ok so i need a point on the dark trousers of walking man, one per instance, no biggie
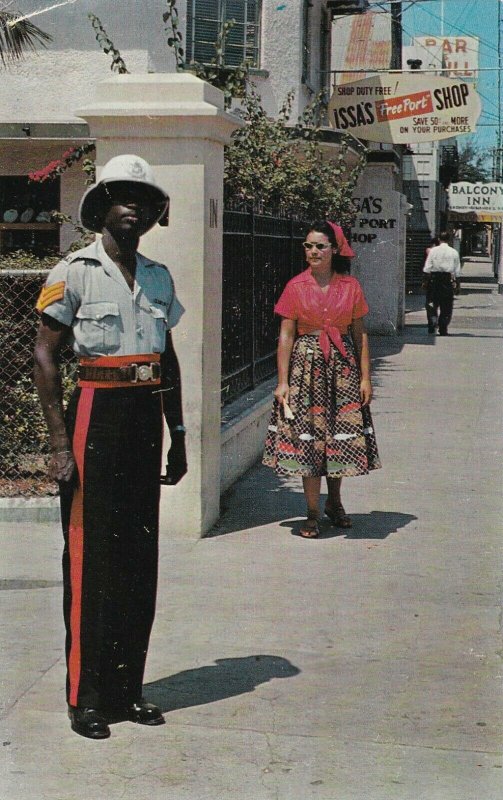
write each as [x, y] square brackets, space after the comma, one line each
[439, 301]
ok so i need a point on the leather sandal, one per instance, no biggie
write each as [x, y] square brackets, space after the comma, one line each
[338, 516]
[310, 528]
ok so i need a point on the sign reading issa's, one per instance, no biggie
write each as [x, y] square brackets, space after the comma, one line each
[404, 108]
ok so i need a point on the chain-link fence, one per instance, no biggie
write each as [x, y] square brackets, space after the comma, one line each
[23, 441]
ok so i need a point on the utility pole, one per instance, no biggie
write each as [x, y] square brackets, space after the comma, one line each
[499, 151]
[396, 34]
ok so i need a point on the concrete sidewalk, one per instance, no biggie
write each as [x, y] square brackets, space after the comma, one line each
[365, 665]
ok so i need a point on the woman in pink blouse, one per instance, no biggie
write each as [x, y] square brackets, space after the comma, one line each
[321, 423]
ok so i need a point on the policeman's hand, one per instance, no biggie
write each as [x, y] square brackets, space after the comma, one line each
[61, 466]
[176, 466]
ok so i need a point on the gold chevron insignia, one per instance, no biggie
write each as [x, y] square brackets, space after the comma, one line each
[49, 295]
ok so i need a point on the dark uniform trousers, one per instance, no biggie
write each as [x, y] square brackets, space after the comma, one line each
[439, 298]
[110, 526]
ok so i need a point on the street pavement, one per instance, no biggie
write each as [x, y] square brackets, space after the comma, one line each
[364, 665]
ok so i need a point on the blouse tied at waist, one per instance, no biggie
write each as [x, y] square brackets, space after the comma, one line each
[327, 334]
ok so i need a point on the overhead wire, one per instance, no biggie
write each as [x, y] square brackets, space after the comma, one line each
[485, 43]
[461, 31]
[496, 69]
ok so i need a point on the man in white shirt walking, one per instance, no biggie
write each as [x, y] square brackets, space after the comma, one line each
[442, 270]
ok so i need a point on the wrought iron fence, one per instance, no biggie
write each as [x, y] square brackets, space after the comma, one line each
[260, 254]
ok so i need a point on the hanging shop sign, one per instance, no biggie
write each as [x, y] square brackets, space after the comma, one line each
[485, 197]
[405, 108]
[457, 54]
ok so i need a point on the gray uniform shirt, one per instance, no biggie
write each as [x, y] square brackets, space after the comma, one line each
[88, 293]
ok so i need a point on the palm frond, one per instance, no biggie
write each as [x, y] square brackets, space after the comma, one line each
[18, 36]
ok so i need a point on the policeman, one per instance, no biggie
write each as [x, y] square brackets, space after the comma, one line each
[117, 308]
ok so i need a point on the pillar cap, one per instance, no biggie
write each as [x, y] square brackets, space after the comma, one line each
[123, 100]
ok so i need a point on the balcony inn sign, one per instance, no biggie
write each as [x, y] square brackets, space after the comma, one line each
[465, 197]
[405, 108]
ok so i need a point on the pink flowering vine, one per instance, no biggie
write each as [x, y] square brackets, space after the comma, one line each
[60, 165]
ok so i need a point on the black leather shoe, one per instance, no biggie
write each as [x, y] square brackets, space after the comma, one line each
[145, 714]
[88, 722]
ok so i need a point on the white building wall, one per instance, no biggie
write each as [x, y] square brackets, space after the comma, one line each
[50, 83]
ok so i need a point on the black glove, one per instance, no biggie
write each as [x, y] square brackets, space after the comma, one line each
[176, 466]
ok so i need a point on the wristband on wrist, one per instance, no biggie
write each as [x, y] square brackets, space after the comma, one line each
[178, 429]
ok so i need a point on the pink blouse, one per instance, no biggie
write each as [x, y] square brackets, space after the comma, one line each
[314, 310]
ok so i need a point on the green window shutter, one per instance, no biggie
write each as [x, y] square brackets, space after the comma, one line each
[204, 21]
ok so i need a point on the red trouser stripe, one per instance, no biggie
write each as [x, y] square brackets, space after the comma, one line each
[76, 540]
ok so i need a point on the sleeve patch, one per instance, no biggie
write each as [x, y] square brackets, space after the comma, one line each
[49, 295]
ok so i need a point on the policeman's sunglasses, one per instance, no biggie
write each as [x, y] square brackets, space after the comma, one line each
[124, 192]
[318, 245]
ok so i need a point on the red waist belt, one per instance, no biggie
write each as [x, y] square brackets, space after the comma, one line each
[115, 372]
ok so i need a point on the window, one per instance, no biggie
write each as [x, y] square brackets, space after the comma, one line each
[25, 221]
[204, 21]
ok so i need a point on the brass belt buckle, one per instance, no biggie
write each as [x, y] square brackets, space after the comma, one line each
[143, 372]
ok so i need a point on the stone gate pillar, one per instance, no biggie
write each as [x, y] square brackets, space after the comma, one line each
[178, 124]
[378, 239]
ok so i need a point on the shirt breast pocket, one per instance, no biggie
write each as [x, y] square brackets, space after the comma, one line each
[98, 328]
[159, 327]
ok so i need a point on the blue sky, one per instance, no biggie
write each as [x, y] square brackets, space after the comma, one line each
[471, 18]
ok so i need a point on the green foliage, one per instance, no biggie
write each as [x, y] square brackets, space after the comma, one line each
[25, 260]
[118, 64]
[85, 236]
[230, 80]
[89, 169]
[277, 166]
[473, 164]
[18, 35]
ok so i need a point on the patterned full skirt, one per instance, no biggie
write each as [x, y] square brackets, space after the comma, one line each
[331, 433]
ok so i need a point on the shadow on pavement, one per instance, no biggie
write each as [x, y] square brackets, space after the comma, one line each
[376, 525]
[227, 677]
[261, 497]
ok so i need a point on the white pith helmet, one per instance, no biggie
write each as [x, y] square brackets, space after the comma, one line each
[123, 169]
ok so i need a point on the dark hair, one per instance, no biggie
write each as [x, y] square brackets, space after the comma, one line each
[445, 236]
[340, 264]
[435, 241]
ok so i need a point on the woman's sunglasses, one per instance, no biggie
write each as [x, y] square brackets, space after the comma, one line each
[318, 245]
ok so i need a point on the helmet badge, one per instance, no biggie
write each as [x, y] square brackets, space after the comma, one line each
[137, 171]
